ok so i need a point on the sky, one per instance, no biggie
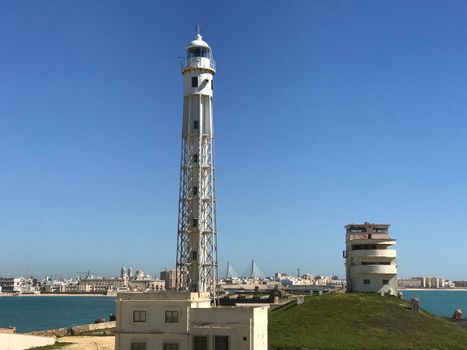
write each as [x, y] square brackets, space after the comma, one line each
[326, 113]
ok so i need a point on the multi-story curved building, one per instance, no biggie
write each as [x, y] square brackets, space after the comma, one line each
[371, 265]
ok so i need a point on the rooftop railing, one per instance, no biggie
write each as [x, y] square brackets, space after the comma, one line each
[198, 62]
[355, 236]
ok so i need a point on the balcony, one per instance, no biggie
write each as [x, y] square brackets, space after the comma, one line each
[370, 253]
[373, 269]
[372, 240]
[198, 62]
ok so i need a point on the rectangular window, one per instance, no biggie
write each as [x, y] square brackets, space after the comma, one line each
[139, 316]
[195, 190]
[212, 84]
[200, 342]
[171, 316]
[221, 342]
[194, 82]
[138, 346]
[170, 346]
[195, 222]
[385, 281]
[195, 158]
[366, 281]
[194, 255]
[195, 124]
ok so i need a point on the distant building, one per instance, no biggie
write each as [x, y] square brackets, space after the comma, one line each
[130, 273]
[87, 285]
[139, 275]
[460, 284]
[409, 283]
[431, 282]
[30, 289]
[279, 275]
[370, 265]
[169, 276]
[101, 285]
[51, 288]
[147, 285]
[70, 288]
[10, 284]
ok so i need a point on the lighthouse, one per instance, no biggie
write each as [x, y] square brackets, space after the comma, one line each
[189, 319]
[196, 268]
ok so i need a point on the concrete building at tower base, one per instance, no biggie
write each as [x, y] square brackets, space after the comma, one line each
[187, 321]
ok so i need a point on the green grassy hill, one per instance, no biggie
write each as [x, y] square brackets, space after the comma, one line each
[360, 321]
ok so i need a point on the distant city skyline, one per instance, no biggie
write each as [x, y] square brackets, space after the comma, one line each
[327, 113]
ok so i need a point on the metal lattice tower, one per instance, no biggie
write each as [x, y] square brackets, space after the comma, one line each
[197, 269]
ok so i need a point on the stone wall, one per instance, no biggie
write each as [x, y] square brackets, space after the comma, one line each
[9, 330]
[59, 332]
[76, 330]
[461, 323]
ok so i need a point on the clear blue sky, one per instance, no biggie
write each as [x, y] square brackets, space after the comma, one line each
[326, 112]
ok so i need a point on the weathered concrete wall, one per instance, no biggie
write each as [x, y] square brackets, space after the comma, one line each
[9, 330]
[23, 341]
[76, 330]
[59, 332]
[92, 327]
[461, 323]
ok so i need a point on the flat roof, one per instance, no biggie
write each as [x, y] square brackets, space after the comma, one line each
[164, 295]
[366, 224]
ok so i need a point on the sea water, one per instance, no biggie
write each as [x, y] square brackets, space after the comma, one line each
[439, 302]
[47, 312]
[31, 313]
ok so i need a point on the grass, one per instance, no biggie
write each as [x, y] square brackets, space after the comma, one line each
[360, 321]
[51, 347]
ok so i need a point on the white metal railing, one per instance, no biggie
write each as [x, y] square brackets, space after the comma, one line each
[202, 62]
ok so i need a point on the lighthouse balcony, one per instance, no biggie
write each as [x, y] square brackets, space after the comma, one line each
[198, 62]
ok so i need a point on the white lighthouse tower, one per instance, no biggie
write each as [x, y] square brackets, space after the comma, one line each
[187, 319]
[196, 238]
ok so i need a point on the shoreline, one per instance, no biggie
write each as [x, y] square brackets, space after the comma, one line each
[435, 289]
[57, 295]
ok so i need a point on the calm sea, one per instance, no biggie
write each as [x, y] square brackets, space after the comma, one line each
[48, 312]
[439, 302]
